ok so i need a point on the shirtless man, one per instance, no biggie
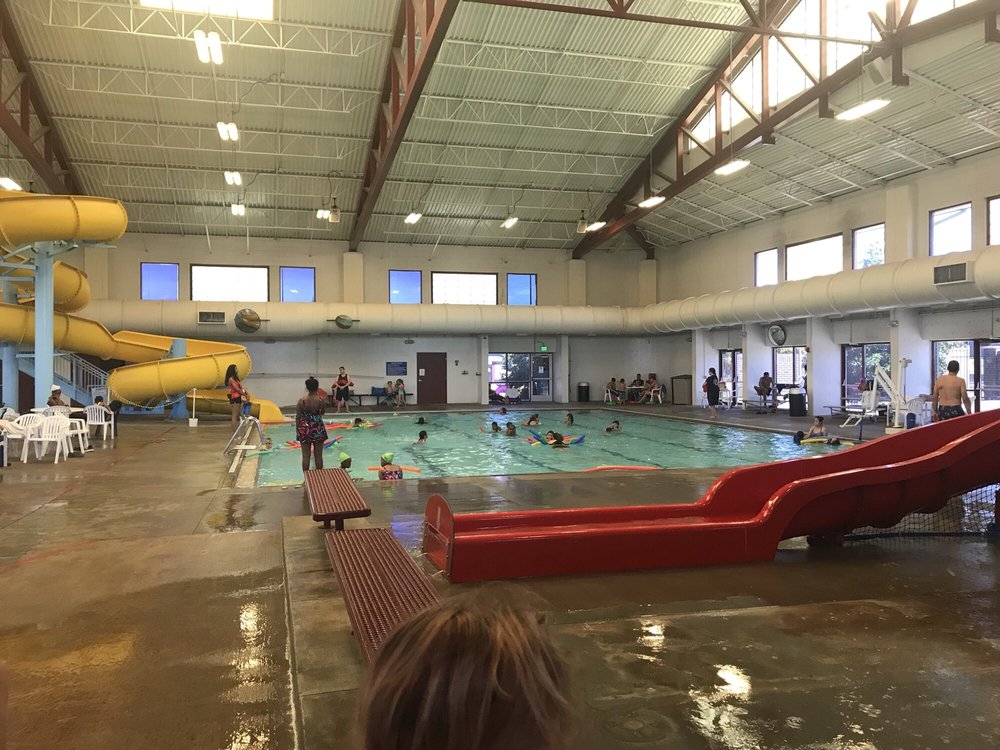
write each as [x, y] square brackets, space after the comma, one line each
[949, 395]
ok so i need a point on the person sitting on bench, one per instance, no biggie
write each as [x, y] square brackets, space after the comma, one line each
[475, 672]
[765, 389]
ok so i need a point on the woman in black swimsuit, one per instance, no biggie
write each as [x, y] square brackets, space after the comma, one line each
[342, 391]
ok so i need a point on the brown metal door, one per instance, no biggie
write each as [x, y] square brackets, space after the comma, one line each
[432, 378]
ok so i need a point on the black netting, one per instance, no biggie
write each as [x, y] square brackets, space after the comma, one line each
[967, 514]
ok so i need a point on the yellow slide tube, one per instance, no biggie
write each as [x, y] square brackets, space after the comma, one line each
[26, 218]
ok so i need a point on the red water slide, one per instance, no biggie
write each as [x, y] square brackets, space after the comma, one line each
[742, 517]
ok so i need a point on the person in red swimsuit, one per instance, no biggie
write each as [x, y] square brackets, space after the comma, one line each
[236, 394]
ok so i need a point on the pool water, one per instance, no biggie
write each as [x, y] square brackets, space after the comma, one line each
[456, 447]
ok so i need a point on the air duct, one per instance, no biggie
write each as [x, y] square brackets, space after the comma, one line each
[905, 284]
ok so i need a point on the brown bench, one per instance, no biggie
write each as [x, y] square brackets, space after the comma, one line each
[333, 497]
[381, 584]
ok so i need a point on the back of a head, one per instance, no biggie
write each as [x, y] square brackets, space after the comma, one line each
[476, 672]
[953, 367]
[312, 385]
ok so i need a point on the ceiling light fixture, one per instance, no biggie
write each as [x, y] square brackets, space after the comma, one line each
[227, 131]
[234, 178]
[596, 225]
[334, 213]
[323, 213]
[413, 218]
[581, 225]
[239, 209]
[731, 167]
[8, 184]
[208, 46]
[509, 222]
[860, 110]
[652, 201]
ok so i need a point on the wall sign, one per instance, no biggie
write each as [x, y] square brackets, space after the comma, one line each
[395, 368]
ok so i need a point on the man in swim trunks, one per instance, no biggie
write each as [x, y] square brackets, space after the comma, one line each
[950, 392]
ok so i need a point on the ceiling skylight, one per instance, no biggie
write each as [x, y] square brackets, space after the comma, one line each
[259, 10]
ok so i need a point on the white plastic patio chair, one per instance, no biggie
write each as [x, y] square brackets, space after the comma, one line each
[21, 427]
[52, 431]
[78, 428]
[98, 416]
[656, 393]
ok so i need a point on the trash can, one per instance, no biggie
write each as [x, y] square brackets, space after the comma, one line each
[583, 392]
[796, 402]
[911, 420]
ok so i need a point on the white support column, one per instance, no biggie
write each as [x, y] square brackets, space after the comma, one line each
[901, 223]
[647, 282]
[906, 340]
[8, 354]
[354, 277]
[560, 371]
[44, 321]
[576, 283]
[484, 370]
[757, 359]
[823, 365]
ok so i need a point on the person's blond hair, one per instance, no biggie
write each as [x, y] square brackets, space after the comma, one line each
[475, 672]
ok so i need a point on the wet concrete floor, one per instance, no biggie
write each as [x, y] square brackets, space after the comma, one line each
[144, 604]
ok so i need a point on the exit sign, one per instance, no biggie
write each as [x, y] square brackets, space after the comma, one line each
[543, 347]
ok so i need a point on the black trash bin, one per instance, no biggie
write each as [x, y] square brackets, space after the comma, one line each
[796, 402]
[583, 392]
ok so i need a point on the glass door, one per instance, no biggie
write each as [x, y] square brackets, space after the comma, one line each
[541, 377]
[731, 371]
[987, 376]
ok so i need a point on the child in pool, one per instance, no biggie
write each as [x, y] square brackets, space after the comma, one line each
[389, 470]
[569, 419]
[503, 411]
[422, 438]
[494, 427]
[511, 430]
[555, 439]
[615, 426]
[532, 421]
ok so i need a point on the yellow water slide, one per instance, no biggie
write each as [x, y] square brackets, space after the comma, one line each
[27, 218]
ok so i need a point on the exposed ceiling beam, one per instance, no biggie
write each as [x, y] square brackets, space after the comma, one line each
[407, 70]
[691, 23]
[43, 149]
[642, 242]
[963, 16]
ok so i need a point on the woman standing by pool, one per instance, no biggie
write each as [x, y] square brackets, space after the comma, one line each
[309, 428]
[711, 388]
[236, 394]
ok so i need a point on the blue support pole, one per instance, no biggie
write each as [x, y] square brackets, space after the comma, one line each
[44, 320]
[8, 354]
[178, 350]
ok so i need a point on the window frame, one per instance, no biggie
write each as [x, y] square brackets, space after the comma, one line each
[177, 267]
[496, 285]
[791, 245]
[534, 289]
[854, 244]
[777, 267]
[192, 266]
[419, 286]
[281, 280]
[990, 200]
[930, 228]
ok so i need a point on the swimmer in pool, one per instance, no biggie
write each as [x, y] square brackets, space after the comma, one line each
[555, 439]
[818, 429]
[615, 426]
[422, 438]
[569, 419]
[532, 421]
[421, 420]
[503, 410]
[494, 427]
[511, 430]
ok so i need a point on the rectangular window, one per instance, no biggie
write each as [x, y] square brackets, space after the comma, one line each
[159, 281]
[993, 220]
[464, 288]
[229, 283]
[405, 287]
[298, 284]
[858, 366]
[820, 257]
[868, 246]
[951, 229]
[789, 365]
[521, 289]
[765, 267]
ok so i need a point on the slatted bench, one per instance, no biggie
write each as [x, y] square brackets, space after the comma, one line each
[381, 583]
[333, 497]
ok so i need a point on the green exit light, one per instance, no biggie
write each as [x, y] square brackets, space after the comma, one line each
[543, 347]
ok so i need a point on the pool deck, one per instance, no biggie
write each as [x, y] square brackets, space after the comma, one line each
[149, 604]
